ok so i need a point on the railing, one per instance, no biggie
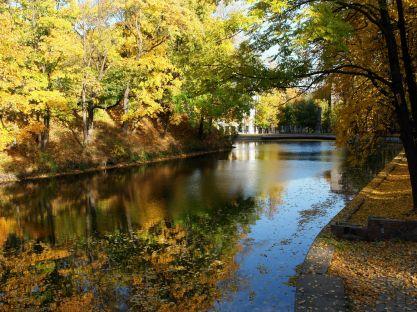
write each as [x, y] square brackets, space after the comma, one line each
[285, 136]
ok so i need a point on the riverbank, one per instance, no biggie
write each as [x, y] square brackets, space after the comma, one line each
[11, 178]
[380, 275]
[110, 148]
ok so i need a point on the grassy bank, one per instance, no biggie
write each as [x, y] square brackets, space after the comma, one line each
[382, 274]
[110, 147]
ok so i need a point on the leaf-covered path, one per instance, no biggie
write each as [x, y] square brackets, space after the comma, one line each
[378, 276]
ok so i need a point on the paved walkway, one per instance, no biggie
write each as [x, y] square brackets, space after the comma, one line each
[377, 276]
[317, 291]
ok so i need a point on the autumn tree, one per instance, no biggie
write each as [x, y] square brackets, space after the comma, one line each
[11, 61]
[40, 62]
[317, 39]
[267, 110]
[99, 38]
[129, 64]
[270, 106]
[150, 79]
[211, 91]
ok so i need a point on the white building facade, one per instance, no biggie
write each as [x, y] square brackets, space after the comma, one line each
[246, 126]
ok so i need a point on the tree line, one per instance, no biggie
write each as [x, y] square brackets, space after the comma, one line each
[63, 62]
[289, 112]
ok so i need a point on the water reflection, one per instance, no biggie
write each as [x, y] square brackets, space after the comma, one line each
[224, 231]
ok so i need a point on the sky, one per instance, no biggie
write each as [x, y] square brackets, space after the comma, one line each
[224, 10]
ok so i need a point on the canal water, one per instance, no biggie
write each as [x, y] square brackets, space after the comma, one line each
[223, 232]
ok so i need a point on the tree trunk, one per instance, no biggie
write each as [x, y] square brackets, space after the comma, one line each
[126, 108]
[44, 137]
[85, 114]
[408, 65]
[166, 122]
[90, 122]
[88, 116]
[201, 128]
[401, 108]
[410, 148]
[39, 135]
[210, 125]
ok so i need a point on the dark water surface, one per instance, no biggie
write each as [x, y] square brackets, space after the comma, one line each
[223, 232]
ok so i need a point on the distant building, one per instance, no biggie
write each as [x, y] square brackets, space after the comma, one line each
[245, 126]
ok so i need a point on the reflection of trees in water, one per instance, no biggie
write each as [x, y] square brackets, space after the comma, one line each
[92, 206]
[172, 246]
[271, 199]
[171, 265]
[121, 201]
[36, 218]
